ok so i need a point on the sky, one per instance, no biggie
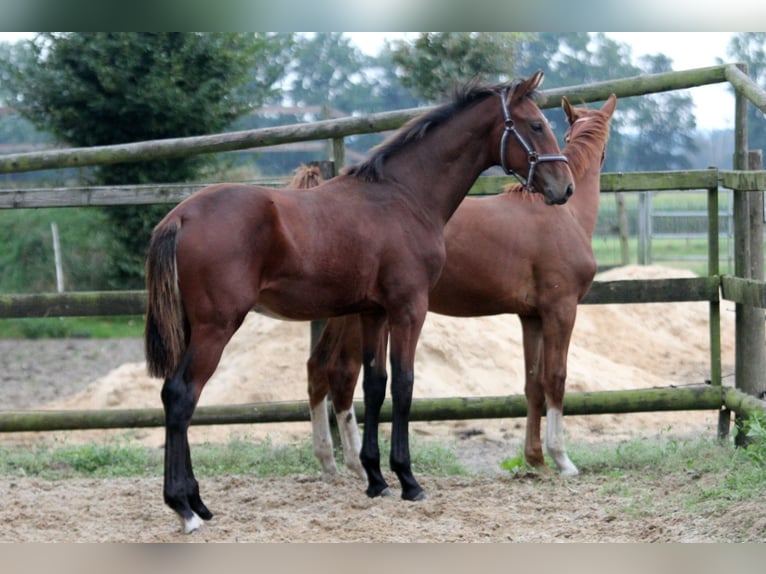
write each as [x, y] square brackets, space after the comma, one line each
[687, 50]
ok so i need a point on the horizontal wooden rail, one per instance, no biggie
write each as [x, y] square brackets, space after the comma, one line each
[698, 397]
[330, 129]
[743, 180]
[746, 291]
[659, 180]
[105, 195]
[653, 290]
[104, 303]
[742, 403]
[486, 185]
[744, 84]
[77, 304]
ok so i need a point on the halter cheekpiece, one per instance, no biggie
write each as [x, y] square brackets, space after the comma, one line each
[533, 158]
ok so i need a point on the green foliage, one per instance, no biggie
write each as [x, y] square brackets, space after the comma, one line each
[754, 429]
[102, 88]
[26, 249]
[436, 62]
[515, 465]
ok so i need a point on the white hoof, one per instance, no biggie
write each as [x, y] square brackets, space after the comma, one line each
[569, 470]
[192, 524]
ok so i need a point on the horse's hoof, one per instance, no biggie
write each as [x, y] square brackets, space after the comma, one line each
[414, 494]
[191, 524]
[385, 492]
[569, 472]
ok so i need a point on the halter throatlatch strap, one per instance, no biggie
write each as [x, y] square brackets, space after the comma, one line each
[533, 158]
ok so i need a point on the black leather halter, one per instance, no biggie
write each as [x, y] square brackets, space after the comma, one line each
[533, 158]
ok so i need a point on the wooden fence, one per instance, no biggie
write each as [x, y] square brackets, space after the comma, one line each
[746, 288]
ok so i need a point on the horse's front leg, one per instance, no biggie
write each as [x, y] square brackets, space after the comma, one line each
[374, 384]
[557, 331]
[533, 390]
[404, 340]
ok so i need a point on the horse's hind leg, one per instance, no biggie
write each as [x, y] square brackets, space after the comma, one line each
[342, 384]
[318, 387]
[179, 398]
[334, 367]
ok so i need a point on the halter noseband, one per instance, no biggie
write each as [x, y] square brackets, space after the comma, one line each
[533, 158]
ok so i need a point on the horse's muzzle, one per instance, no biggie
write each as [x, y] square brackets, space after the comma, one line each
[550, 200]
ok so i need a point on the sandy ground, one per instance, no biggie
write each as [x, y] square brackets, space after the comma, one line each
[613, 347]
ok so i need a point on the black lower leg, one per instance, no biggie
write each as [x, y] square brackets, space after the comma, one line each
[401, 392]
[374, 384]
[180, 490]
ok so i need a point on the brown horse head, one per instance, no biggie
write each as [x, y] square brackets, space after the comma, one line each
[527, 137]
[589, 129]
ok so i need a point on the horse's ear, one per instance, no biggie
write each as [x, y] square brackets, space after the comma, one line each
[528, 86]
[568, 110]
[609, 106]
[536, 80]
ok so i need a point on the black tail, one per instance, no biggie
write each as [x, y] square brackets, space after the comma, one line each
[164, 339]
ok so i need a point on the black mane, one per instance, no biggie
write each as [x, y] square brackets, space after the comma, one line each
[371, 170]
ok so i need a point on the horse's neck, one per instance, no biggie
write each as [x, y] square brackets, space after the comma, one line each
[584, 202]
[440, 169]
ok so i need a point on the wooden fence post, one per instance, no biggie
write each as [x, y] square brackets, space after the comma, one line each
[750, 362]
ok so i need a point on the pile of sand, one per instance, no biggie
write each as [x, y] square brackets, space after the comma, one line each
[613, 347]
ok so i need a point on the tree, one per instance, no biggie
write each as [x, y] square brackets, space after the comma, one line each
[653, 132]
[750, 48]
[665, 138]
[107, 88]
[436, 62]
[330, 76]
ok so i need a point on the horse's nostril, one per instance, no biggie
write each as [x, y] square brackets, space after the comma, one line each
[570, 190]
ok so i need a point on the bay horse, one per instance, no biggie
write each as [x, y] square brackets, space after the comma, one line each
[369, 241]
[505, 254]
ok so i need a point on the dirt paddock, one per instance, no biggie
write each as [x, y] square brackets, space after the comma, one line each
[613, 347]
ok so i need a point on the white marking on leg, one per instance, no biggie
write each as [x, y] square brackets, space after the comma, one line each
[352, 444]
[192, 524]
[322, 438]
[554, 442]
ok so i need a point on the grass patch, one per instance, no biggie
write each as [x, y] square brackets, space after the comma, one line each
[240, 455]
[117, 458]
[72, 327]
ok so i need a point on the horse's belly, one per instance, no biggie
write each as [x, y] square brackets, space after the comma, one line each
[303, 302]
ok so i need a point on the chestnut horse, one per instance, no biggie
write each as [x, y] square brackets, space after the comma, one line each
[369, 241]
[505, 254]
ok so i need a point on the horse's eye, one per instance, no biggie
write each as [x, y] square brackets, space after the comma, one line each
[537, 127]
